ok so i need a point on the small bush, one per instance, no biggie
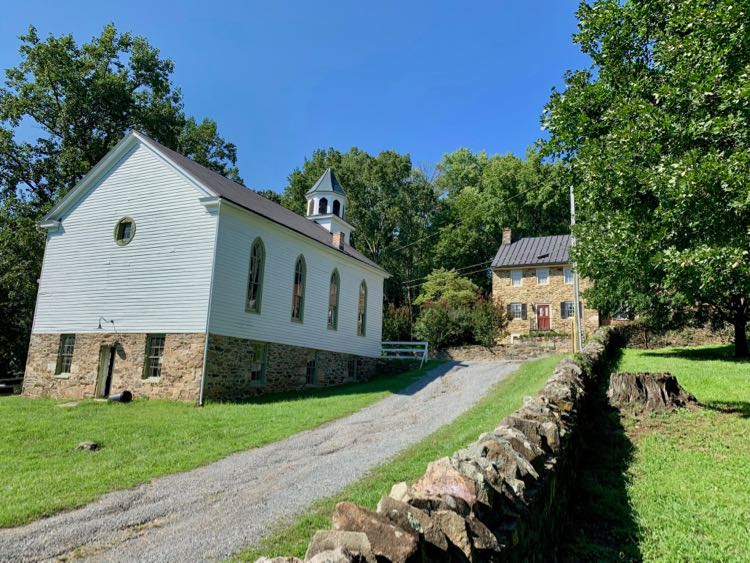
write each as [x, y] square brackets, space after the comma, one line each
[436, 326]
[397, 323]
[489, 319]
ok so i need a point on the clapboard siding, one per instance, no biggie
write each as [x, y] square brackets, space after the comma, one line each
[237, 230]
[157, 283]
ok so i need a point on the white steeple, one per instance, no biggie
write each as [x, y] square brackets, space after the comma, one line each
[326, 205]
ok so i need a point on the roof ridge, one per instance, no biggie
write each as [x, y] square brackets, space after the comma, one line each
[245, 197]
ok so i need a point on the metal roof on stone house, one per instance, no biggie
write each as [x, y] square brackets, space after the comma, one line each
[327, 183]
[533, 251]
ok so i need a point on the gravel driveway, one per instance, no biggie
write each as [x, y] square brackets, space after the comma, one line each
[214, 511]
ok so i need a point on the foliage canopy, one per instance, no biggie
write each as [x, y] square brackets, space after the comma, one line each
[656, 136]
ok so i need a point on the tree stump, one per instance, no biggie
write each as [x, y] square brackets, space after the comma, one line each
[653, 392]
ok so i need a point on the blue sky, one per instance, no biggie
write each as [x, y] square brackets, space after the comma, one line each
[282, 78]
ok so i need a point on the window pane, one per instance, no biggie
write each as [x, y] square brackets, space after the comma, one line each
[542, 276]
[362, 309]
[155, 355]
[298, 290]
[333, 301]
[515, 277]
[255, 278]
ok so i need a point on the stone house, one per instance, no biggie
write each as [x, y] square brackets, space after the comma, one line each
[167, 279]
[533, 277]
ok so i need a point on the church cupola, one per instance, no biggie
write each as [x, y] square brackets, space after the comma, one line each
[327, 203]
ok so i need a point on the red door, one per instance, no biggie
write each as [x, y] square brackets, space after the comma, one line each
[542, 315]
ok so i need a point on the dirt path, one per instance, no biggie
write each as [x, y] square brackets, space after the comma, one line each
[214, 511]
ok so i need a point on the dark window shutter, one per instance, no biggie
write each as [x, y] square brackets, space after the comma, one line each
[510, 312]
[524, 314]
[563, 312]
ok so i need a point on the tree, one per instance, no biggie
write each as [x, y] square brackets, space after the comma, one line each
[656, 138]
[446, 287]
[482, 195]
[82, 99]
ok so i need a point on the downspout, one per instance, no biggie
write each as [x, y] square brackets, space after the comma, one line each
[210, 299]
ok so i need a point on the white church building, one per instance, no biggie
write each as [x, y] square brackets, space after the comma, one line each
[167, 279]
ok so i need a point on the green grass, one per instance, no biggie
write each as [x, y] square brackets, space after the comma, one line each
[504, 398]
[670, 487]
[689, 482]
[43, 473]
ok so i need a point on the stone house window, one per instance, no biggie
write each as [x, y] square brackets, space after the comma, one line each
[258, 362]
[311, 372]
[568, 275]
[516, 278]
[333, 300]
[567, 309]
[65, 353]
[298, 290]
[362, 309]
[517, 311]
[255, 276]
[124, 231]
[542, 276]
[154, 355]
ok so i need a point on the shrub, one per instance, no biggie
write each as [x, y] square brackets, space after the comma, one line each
[489, 319]
[435, 326]
[397, 323]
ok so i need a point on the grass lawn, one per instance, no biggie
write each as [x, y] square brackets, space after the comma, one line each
[43, 473]
[501, 400]
[680, 490]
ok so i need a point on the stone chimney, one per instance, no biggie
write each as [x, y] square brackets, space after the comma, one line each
[507, 236]
[338, 240]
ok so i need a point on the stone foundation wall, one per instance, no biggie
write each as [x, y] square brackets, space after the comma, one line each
[637, 335]
[522, 348]
[229, 358]
[502, 498]
[180, 374]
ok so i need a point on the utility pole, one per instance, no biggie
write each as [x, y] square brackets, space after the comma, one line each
[576, 284]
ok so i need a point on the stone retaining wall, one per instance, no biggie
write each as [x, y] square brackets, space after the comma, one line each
[522, 348]
[502, 498]
[637, 335]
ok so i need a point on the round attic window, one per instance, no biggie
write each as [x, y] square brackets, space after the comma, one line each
[124, 231]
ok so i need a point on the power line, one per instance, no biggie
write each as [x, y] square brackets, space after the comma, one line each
[465, 274]
[455, 270]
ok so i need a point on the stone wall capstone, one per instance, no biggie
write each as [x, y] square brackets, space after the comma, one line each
[522, 348]
[502, 498]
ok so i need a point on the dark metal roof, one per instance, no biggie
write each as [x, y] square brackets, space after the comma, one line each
[327, 183]
[248, 199]
[533, 251]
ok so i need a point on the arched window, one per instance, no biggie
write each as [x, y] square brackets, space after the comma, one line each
[255, 276]
[337, 207]
[298, 291]
[333, 300]
[322, 206]
[362, 309]
[311, 207]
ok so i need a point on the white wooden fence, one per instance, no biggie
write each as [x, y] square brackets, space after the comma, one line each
[405, 351]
